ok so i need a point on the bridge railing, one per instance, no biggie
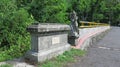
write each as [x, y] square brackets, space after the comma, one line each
[84, 24]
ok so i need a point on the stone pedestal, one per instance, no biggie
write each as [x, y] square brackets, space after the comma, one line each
[73, 40]
[47, 40]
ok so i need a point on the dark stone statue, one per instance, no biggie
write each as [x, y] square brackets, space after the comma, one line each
[74, 33]
[74, 24]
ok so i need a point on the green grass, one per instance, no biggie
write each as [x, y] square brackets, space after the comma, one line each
[61, 60]
[6, 65]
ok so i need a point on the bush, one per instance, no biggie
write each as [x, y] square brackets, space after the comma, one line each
[52, 11]
[14, 40]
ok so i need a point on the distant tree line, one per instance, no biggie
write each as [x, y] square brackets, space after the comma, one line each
[87, 10]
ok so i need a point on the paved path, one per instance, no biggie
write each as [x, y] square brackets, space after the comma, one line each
[104, 54]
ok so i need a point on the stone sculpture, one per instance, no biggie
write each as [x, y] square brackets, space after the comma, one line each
[74, 24]
[74, 32]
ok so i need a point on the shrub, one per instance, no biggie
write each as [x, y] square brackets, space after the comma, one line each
[14, 40]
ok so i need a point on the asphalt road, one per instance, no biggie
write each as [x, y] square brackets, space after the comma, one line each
[106, 53]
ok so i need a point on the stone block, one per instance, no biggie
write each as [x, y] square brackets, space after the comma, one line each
[47, 40]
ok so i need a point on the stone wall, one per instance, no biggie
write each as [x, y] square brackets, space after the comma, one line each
[89, 36]
[85, 31]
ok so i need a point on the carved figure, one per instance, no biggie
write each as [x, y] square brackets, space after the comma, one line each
[74, 24]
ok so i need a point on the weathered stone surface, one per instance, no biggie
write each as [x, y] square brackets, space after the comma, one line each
[47, 40]
[93, 39]
[47, 27]
[46, 54]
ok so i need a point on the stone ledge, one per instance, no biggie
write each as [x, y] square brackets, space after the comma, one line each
[48, 27]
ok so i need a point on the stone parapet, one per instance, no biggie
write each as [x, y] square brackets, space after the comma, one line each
[47, 40]
[47, 27]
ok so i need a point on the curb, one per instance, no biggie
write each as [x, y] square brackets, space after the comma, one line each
[82, 40]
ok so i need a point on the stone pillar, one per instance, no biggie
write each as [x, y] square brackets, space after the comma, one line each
[47, 40]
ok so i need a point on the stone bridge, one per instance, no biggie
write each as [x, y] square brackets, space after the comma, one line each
[106, 53]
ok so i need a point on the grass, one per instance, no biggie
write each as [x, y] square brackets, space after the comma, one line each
[6, 65]
[61, 60]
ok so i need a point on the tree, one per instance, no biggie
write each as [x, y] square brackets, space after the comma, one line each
[111, 11]
[52, 11]
[13, 24]
[83, 9]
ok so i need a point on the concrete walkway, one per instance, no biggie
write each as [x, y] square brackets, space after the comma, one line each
[104, 54]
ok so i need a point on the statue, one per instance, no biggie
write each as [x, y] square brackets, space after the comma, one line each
[74, 24]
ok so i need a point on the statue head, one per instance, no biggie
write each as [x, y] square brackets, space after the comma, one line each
[73, 16]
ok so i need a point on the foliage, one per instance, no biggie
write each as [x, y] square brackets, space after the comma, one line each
[51, 11]
[97, 10]
[16, 50]
[68, 56]
[14, 40]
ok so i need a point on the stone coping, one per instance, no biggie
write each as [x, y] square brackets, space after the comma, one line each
[47, 27]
